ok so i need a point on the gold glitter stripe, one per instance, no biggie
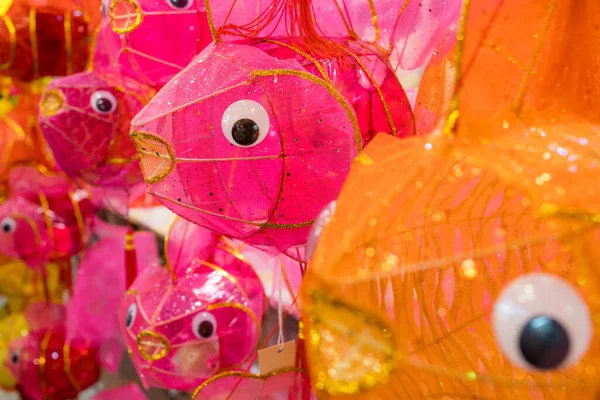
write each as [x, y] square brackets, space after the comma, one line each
[315, 62]
[36, 232]
[453, 109]
[34, 43]
[46, 207]
[13, 41]
[78, 217]
[168, 264]
[241, 374]
[121, 160]
[68, 43]
[211, 23]
[374, 20]
[330, 89]
[42, 362]
[67, 358]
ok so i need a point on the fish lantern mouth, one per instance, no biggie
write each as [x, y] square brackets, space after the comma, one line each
[351, 349]
[125, 16]
[157, 158]
[152, 346]
[52, 102]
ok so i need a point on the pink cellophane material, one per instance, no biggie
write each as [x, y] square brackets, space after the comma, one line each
[45, 218]
[282, 384]
[128, 392]
[204, 317]
[409, 32]
[69, 367]
[41, 38]
[88, 142]
[161, 44]
[91, 310]
[281, 276]
[265, 195]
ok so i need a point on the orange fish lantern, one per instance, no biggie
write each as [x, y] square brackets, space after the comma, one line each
[464, 264]
[41, 38]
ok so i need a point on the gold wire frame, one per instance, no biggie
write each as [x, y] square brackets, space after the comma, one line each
[129, 27]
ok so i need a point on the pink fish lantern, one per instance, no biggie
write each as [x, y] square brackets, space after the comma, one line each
[45, 218]
[152, 39]
[91, 309]
[127, 392]
[256, 153]
[47, 366]
[199, 316]
[85, 118]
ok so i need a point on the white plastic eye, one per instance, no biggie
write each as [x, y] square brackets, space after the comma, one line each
[541, 323]
[245, 123]
[180, 4]
[204, 325]
[317, 228]
[131, 314]
[8, 225]
[103, 102]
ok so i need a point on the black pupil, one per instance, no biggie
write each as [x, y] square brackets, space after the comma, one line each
[103, 104]
[245, 132]
[15, 358]
[6, 228]
[205, 329]
[129, 319]
[544, 342]
[179, 3]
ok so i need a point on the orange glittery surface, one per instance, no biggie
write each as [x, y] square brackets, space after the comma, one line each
[399, 297]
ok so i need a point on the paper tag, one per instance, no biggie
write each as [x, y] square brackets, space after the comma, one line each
[271, 359]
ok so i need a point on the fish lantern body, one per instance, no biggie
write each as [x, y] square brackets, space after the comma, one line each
[45, 218]
[182, 332]
[39, 39]
[85, 118]
[256, 155]
[47, 366]
[12, 328]
[489, 290]
[153, 39]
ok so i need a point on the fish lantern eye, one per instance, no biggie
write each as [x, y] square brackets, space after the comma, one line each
[8, 225]
[204, 325]
[103, 102]
[15, 357]
[130, 317]
[542, 323]
[180, 4]
[245, 123]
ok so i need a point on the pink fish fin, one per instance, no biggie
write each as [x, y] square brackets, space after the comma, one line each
[128, 392]
[280, 384]
[111, 353]
[186, 242]
[42, 315]
[28, 182]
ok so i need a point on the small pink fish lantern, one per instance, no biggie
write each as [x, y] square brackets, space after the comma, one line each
[47, 366]
[45, 218]
[197, 317]
[153, 39]
[85, 118]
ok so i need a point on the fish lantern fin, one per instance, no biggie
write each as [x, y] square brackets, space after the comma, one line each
[186, 242]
